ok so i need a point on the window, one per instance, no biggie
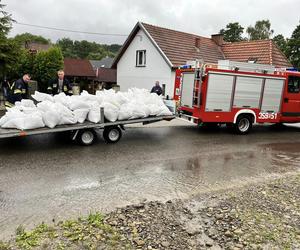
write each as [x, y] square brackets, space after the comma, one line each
[140, 58]
[294, 84]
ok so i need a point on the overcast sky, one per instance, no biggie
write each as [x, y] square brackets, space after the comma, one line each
[119, 16]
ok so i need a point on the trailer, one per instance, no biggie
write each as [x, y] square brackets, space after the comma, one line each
[237, 94]
[85, 133]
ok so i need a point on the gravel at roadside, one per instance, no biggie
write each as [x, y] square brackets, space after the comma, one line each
[261, 216]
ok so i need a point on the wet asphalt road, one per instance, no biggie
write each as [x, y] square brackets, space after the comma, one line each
[45, 177]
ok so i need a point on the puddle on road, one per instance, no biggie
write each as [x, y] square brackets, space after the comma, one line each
[79, 193]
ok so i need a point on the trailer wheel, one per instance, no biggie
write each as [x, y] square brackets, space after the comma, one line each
[86, 137]
[112, 134]
[243, 124]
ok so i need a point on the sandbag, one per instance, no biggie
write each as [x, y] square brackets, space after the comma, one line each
[25, 122]
[33, 121]
[111, 111]
[27, 103]
[63, 99]
[29, 110]
[154, 109]
[17, 123]
[94, 114]
[125, 112]
[45, 106]
[78, 104]
[51, 118]
[3, 120]
[67, 120]
[164, 111]
[39, 97]
[81, 114]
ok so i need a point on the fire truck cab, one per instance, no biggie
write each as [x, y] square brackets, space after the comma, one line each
[237, 94]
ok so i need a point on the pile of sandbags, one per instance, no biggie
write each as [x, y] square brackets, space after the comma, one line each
[60, 109]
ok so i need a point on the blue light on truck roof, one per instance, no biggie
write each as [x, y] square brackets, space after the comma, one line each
[292, 69]
[185, 66]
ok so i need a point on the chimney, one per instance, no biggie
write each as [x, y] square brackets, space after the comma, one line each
[197, 42]
[218, 39]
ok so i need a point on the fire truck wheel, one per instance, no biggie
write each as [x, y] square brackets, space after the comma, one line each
[243, 124]
[112, 134]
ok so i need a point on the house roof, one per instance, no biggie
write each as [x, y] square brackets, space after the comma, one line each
[103, 63]
[78, 67]
[34, 46]
[177, 47]
[265, 51]
[107, 75]
[180, 47]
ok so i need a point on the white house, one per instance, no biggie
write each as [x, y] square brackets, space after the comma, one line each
[143, 62]
[152, 53]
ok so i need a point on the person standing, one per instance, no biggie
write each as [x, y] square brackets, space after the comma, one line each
[17, 91]
[156, 88]
[5, 85]
[60, 85]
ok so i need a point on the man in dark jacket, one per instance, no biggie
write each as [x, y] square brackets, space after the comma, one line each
[59, 85]
[17, 91]
[156, 89]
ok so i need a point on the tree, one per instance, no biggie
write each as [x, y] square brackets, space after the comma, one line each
[9, 54]
[5, 21]
[293, 47]
[9, 50]
[46, 65]
[27, 37]
[261, 30]
[280, 42]
[86, 50]
[67, 47]
[233, 32]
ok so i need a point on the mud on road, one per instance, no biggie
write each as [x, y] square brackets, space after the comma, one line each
[44, 177]
[260, 216]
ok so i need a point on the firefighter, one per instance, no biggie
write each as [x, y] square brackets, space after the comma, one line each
[156, 89]
[17, 91]
[60, 85]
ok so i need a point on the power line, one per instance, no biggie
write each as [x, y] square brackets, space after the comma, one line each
[67, 30]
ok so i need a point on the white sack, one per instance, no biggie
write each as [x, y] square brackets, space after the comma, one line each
[125, 112]
[39, 97]
[51, 118]
[81, 114]
[33, 121]
[3, 120]
[94, 113]
[17, 123]
[164, 111]
[67, 120]
[78, 104]
[27, 103]
[62, 98]
[25, 122]
[45, 106]
[111, 111]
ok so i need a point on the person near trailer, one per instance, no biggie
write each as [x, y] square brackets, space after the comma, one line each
[5, 86]
[17, 91]
[156, 88]
[60, 85]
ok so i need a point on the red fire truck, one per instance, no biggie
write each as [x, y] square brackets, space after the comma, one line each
[237, 94]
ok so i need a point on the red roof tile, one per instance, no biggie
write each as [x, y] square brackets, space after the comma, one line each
[78, 67]
[265, 51]
[178, 47]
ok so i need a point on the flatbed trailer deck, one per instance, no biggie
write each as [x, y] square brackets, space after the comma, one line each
[85, 132]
